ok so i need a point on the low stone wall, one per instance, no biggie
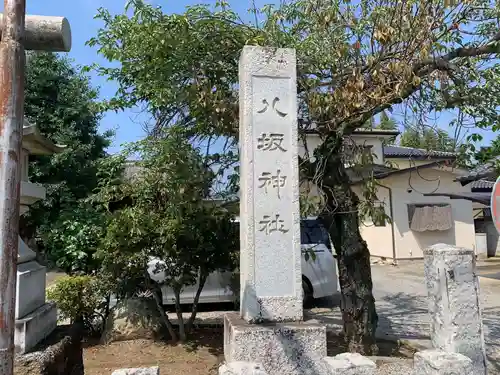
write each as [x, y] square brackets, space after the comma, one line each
[60, 354]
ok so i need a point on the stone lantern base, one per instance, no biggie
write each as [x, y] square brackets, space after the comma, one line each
[35, 319]
[35, 327]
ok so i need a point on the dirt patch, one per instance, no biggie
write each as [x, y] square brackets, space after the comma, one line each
[337, 345]
[200, 357]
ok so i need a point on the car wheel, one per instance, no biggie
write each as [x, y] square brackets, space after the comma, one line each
[308, 293]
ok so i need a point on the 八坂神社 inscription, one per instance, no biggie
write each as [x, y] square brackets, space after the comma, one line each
[269, 225]
[276, 181]
[270, 142]
[266, 106]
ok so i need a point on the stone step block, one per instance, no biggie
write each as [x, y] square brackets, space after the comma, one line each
[30, 291]
[138, 371]
[34, 327]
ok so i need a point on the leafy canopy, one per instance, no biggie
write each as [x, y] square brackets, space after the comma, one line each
[61, 102]
[168, 217]
[355, 59]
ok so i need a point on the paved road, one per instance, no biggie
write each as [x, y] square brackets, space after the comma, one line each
[489, 269]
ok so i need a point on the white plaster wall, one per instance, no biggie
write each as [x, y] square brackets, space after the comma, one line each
[376, 145]
[379, 239]
[313, 141]
[374, 141]
[410, 244]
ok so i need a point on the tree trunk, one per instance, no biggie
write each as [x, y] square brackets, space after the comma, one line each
[156, 291]
[340, 217]
[178, 310]
[194, 310]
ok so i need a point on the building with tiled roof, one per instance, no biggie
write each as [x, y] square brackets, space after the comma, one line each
[411, 191]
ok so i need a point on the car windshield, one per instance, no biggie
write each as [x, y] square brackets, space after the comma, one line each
[313, 233]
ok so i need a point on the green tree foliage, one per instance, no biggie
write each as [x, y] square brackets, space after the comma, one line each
[488, 153]
[74, 239]
[356, 59]
[61, 102]
[369, 124]
[386, 122]
[82, 299]
[428, 139]
[168, 218]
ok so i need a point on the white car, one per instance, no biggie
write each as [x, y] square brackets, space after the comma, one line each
[319, 272]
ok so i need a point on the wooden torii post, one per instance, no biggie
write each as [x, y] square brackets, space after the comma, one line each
[18, 32]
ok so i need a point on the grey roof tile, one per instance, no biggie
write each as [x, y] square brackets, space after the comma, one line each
[482, 184]
[486, 170]
[417, 153]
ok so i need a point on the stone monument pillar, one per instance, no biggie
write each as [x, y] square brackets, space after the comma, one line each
[453, 292]
[270, 330]
[35, 319]
[270, 273]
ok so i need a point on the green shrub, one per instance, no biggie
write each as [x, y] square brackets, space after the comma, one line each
[81, 299]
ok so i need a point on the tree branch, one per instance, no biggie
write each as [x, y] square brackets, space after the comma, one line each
[422, 69]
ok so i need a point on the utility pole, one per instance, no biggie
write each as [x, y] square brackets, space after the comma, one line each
[18, 32]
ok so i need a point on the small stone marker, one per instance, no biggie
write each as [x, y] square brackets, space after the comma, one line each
[138, 371]
[350, 364]
[270, 259]
[453, 292]
[430, 362]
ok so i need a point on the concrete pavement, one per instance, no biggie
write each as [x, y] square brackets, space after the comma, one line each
[401, 299]
[401, 302]
[489, 268]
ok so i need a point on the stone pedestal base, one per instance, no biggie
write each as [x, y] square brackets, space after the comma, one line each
[34, 327]
[281, 348]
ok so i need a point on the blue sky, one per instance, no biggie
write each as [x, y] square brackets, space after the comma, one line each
[80, 14]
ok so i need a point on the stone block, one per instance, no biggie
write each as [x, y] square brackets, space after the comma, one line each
[350, 364]
[133, 318]
[24, 253]
[30, 291]
[60, 354]
[431, 362]
[34, 327]
[453, 293]
[242, 368]
[138, 371]
[270, 253]
[294, 348]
